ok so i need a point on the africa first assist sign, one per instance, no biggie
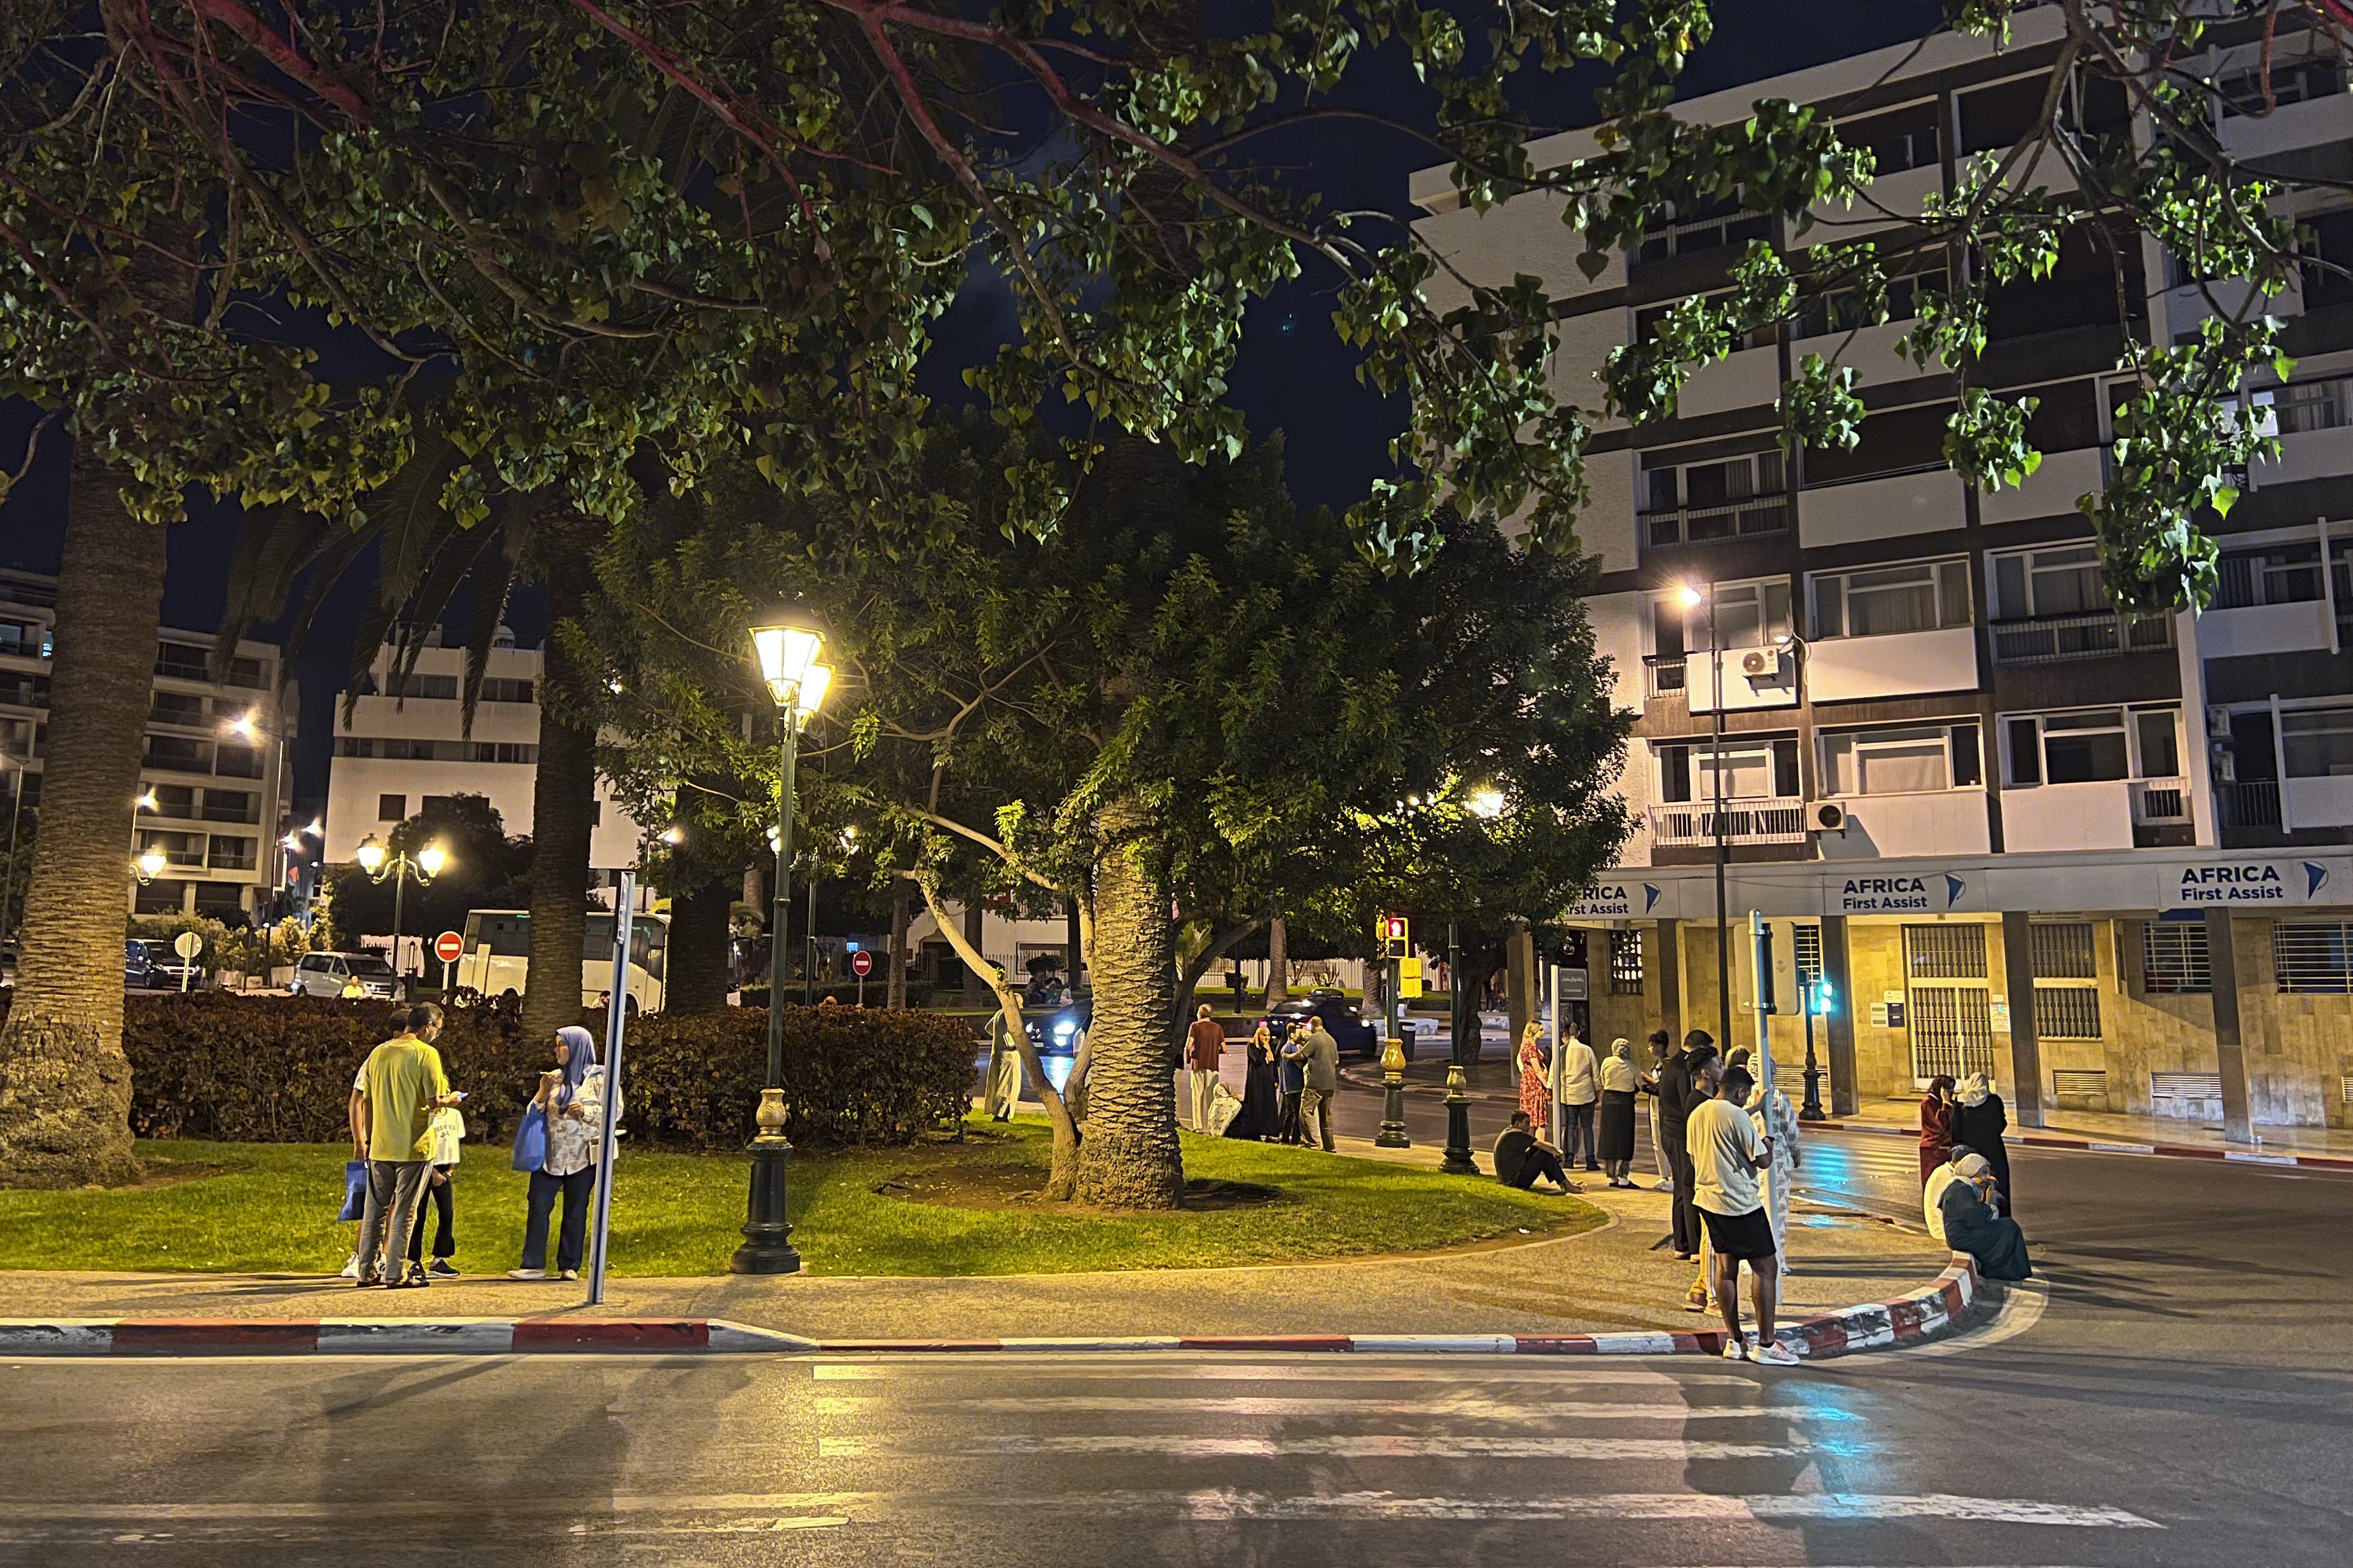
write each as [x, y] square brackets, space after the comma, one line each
[2254, 883]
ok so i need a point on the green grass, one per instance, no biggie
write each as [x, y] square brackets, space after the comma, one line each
[268, 1208]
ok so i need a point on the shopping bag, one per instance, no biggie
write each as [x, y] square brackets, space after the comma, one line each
[354, 1190]
[530, 1141]
[1223, 1108]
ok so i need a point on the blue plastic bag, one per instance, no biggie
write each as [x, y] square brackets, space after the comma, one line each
[354, 1190]
[530, 1141]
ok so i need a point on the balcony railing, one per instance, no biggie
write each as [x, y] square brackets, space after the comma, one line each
[2249, 803]
[1752, 518]
[2057, 640]
[1663, 675]
[1763, 820]
[2160, 802]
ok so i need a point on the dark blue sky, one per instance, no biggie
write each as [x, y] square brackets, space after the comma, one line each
[1293, 374]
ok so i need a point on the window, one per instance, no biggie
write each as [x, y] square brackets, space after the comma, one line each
[1900, 139]
[2067, 1012]
[2291, 82]
[2319, 742]
[500, 688]
[1626, 962]
[595, 813]
[1896, 441]
[2063, 580]
[182, 661]
[1946, 952]
[1805, 942]
[432, 804]
[175, 708]
[220, 898]
[1648, 319]
[2279, 574]
[1700, 226]
[1918, 596]
[1900, 761]
[2062, 950]
[1995, 117]
[1752, 770]
[185, 850]
[24, 639]
[237, 762]
[441, 687]
[230, 805]
[2173, 958]
[232, 853]
[246, 672]
[1747, 615]
[1842, 310]
[173, 800]
[179, 752]
[2317, 956]
[392, 808]
[500, 752]
[1691, 503]
[2328, 267]
[2092, 745]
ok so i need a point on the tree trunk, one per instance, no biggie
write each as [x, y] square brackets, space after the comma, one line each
[563, 811]
[64, 1084]
[1277, 962]
[1190, 977]
[699, 936]
[977, 986]
[895, 993]
[1128, 1156]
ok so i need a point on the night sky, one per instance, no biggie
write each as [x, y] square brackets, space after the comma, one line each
[1292, 374]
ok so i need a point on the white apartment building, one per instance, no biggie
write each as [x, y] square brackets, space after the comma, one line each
[405, 743]
[214, 785]
[2108, 859]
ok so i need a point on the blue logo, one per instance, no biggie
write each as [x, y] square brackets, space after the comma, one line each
[1650, 898]
[2315, 879]
[1954, 889]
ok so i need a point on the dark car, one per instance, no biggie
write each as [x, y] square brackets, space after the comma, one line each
[1356, 1035]
[149, 964]
[1056, 1032]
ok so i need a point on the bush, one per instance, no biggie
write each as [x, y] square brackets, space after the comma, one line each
[278, 1069]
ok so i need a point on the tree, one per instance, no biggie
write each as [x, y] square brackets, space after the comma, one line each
[486, 870]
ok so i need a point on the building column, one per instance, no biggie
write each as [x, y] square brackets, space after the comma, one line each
[1519, 981]
[1666, 940]
[2230, 1053]
[1839, 1022]
[2024, 1059]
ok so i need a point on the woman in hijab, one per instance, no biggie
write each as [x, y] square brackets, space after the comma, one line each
[1262, 1108]
[1936, 1126]
[1971, 1225]
[571, 1097]
[1616, 1133]
[1535, 1099]
[1979, 1121]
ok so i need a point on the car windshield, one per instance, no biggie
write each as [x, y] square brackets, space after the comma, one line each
[367, 964]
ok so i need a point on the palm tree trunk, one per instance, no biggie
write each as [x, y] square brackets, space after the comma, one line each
[64, 1084]
[894, 993]
[699, 935]
[1277, 962]
[563, 810]
[1128, 1156]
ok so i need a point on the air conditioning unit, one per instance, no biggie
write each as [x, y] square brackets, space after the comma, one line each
[1759, 662]
[2218, 723]
[1829, 818]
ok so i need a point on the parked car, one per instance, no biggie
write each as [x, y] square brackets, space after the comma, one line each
[1357, 1035]
[327, 974]
[149, 964]
[1056, 1033]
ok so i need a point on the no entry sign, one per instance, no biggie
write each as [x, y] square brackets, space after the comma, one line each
[449, 947]
[862, 964]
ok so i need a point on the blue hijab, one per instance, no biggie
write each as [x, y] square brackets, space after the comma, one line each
[578, 1057]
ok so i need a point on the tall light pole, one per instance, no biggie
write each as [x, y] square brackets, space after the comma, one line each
[786, 646]
[379, 863]
[1691, 598]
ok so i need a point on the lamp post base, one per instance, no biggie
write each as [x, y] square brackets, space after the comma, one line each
[1392, 1133]
[767, 1236]
[1458, 1161]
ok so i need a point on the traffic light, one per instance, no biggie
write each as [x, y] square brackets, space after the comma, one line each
[1396, 940]
[1825, 999]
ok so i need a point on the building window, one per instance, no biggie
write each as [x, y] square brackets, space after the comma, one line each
[1751, 770]
[247, 673]
[1626, 962]
[182, 661]
[159, 897]
[1693, 504]
[2291, 82]
[1918, 596]
[2091, 746]
[2318, 742]
[174, 708]
[1837, 312]
[1753, 614]
[2173, 958]
[1953, 951]
[392, 808]
[179, 753]
[173, 800]
[230, 805]
[1900, 761]
[2313, 956]
[220, 897]
[237, 761]
[442, 687]
[184, 850]
[2062, 950]
[595, 813]
[1806, 943]
[232, 853]
[2067, 1012]
[1650, 318]
[2279, 574]
[1697, 226]
[2063, 580]
[1900, 139]
[432, 804]
[503, 689]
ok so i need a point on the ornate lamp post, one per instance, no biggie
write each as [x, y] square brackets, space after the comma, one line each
[379, 862]
[786, 646]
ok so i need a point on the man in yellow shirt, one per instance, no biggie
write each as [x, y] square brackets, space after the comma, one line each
[401, 1086]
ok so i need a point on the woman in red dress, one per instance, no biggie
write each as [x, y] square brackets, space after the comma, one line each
[1535, 1099]
[1935, 1127]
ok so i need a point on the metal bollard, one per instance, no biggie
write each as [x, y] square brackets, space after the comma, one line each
[1392, 1134]
[1458, 1161]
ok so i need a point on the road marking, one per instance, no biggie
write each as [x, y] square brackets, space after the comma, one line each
[2023, 1307]
[15, 1512]
[1471, 1408]
[1552, 1373]
[1374, 1445]
[1761, 1508]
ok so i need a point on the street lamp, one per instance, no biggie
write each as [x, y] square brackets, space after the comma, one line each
[786, 646]
[379, 862]
[148, 867]
[1691, 598]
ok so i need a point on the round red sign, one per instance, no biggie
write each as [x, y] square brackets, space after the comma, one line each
[449, 947]
[862, 964]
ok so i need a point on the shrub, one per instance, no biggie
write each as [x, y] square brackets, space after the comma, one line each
[278, 1069]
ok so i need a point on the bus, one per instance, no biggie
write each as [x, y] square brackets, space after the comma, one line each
[498, 942]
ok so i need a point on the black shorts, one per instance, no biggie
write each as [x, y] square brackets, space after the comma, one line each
[1747, 1236]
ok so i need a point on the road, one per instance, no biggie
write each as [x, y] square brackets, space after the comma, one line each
[2182, 1396]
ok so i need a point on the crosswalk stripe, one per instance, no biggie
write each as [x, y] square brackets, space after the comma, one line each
[1477, 1408]
[1557, 1375]
[1371, 1445]
[1762, 1507]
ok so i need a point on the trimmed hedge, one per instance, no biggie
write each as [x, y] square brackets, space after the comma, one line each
[278, 1069]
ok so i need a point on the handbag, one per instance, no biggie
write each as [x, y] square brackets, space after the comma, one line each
[531, 1140]
[354, 1190]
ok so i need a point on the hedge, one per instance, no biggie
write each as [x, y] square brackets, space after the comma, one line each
[278, 1069]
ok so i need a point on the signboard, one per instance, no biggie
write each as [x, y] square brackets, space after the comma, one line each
[2259, 880]
[1899, 892]
[862, 964]
[188, 944]
[449, 947]
[1575, 984]
[1409, 986]
[1621, 899]
[1409, 969]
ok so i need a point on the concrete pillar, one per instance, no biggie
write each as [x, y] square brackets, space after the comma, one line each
[2230, 1053]
[1839, 1023]
[1520, 980]
[2023, 1064]
[1666, 941]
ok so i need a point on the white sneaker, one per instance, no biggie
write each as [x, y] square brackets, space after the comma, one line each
[569, 1274]
[526, 1273]
[1775, 1353]
[1735, 1350]
[351, 1266]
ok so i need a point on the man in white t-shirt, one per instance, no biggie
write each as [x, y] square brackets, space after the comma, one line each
[1577, 1090]
[1726, 1152]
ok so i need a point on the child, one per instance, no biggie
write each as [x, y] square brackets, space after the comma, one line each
[449, 1126]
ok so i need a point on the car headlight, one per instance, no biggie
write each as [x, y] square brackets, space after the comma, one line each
[1064, 1031]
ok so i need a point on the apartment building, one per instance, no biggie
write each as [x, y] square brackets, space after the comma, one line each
[214, 785]
[2106, 858]
[405, 743]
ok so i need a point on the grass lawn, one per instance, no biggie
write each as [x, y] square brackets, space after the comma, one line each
[269, 1207]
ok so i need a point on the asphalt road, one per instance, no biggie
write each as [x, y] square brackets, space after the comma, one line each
[2179, 1393]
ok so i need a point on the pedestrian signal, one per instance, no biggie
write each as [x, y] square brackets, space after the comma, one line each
[1395, 940]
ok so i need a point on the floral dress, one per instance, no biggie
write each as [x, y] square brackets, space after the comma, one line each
[1534, 1098]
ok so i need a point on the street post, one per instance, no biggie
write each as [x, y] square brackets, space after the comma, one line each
[617, 1008]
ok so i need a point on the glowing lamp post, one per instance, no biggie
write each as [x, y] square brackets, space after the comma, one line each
[380, 862]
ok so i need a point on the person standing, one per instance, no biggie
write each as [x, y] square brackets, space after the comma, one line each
[402, 1085]
[1936, 1126]
[1580, 1087]
[1616, 1132]
[1291, 1079]
[1676, 1096]
[1261, 1101]
[1002, 1095]
[1204, 1043]
[449, 1129]
[1726, 1153]
[1319, 1064]
[1777, 1126]
[1534, 1098]
[571, 1097]
[1661, 1046]
[1977, 1122]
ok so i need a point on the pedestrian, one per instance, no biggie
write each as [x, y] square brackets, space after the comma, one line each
[1319, 1064]
[1979, 1121]
[1700, 1061]
[1936, 1126]
[1661, 1046]
[1676, 1096]
[1727, 1155]
[1579, 1078]
[1932, 1195]
[1533, 1099]
[1204, 1043]
[1616, 1132]
[1522, 1155]
[571, 1097]
[449, 1129]
[1002, 1094]
[1261, 1101]
[1777, 1125]
[1290, 1076]
[402, 1085]
[1972, 1226]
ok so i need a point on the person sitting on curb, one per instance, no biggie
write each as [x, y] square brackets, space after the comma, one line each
[1522, 1155]
[1932, 1195]
[1974, 1226]
[1726, 1153]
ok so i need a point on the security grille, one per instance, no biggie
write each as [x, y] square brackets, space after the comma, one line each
[2062, 951]
[1955, 951]
[2079, 1083]
[1625, 963]
[2173, 958]
[1952, 1031]
[2313, 957]
[2346, 1087]
[1807, 942]
[2192, 1096]
[2066, 1013]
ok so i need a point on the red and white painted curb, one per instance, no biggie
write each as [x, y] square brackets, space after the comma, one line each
[1924, 1314]
[2106, 1146]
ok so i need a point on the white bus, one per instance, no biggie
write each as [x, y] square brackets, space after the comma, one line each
[498, 943]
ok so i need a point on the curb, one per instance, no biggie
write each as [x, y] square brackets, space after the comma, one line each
[2103, 1146]
[1927, 1313]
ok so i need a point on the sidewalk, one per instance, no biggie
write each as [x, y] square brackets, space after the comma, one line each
[2328, 1147]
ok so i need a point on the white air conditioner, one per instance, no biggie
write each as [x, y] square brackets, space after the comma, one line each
[1830, 818]
[1756, 663]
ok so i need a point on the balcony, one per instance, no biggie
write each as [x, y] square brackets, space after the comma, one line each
[1895, 201]
[1691, 824]
[2251, 631]
[1663, 675]
[1749, 378]
[2160, 802]
[1929, 822]
[2061, 639]
[2053, 817]
[1894, 506]
[1753, 518]
[2249, 803]
[2292, 127]
[1900, 663]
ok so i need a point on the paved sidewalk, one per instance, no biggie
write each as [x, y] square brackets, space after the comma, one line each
[2161, 1134]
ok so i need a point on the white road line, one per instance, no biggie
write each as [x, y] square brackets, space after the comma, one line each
[15, 1512]
[2023, 1307]
[1332, 1369]
[1760, 1508]
[1468, 1406]
[1373, 1445]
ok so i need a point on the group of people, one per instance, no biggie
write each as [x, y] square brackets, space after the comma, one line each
[1965, 1175]
[1595, 1100]
[1287, 1087]
[406, 1123]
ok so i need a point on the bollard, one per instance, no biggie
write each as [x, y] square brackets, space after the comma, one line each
[1458, 1161]
[1392, 1134]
